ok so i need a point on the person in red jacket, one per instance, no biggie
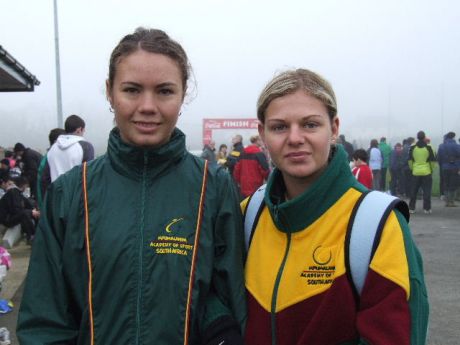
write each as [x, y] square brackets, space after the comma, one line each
[361, 170]
[252, 169]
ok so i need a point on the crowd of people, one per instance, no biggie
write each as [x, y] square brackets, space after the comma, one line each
[404, 170]
[150, 244]
[25, 174]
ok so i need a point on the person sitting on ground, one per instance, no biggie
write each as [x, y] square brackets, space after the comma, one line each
[10, 156]
[30, 160]
[361, 170]
[16, 209]
[5, 165]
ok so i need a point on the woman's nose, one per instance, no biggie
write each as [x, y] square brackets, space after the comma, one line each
[296, 136]
[148, 103]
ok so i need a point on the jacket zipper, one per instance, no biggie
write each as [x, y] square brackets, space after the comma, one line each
[277, 283]
[141, 247]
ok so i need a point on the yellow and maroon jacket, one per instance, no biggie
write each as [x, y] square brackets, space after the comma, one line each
[298, 278]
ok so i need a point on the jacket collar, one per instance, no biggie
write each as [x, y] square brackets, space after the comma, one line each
[134, 161]
[298, 213]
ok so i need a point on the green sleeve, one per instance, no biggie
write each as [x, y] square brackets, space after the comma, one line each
[44, 315]
[418, 300]
[227, 295]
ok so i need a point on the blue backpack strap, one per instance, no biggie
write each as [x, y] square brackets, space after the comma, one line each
[253, 208]
[365, 226]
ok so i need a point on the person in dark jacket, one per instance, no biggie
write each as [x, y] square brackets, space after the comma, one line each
[209, 153]
[235, 155]
[31, 161]
[252, 168]
[449, 164]
[144, 244]
[397, 164]
[16, 209]
[347, 146]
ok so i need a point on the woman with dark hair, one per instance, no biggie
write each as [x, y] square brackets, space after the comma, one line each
[142, 245]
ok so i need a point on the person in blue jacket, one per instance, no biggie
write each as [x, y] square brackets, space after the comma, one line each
[449, 164]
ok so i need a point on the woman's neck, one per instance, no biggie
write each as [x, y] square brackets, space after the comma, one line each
[298, 185]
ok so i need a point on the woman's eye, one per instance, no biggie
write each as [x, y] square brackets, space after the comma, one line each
[166, 91]
[130, 90]
[277, 128]
[311, 125]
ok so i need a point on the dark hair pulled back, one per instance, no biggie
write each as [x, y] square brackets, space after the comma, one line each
[152, 41]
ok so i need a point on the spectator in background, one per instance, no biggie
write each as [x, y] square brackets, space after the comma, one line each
[5, 165]
[236, 152]
[251, 170]
[407, 173]
[222, 155]
[209, 152]
[347, 146]
[5, 182]
[30, 160]
[16, 209]
[361, 170]
[385, 150]
[397, 164]
[41, 181]
[10, 156]
[449, 165]
[375, 163]
[421, 163]
[69, 150]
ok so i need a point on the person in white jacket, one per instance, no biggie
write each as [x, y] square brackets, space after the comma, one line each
[69, 150]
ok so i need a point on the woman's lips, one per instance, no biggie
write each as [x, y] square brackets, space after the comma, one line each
[146, 126]
[297, 156]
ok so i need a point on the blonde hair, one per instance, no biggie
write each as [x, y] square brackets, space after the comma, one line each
[289, 82]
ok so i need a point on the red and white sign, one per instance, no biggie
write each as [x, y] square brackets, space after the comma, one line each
[211, 124]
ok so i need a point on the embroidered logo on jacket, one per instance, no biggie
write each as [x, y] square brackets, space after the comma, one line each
[320, 272]
[174, 221]
[170, 243]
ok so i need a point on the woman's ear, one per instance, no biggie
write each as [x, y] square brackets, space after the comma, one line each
[108, 92]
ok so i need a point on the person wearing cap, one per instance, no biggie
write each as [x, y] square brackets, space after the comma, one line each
[30, 160]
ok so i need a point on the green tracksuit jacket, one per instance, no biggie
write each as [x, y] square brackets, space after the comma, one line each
[145, 230]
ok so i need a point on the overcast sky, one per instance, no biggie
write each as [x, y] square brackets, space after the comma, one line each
[395, 64]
